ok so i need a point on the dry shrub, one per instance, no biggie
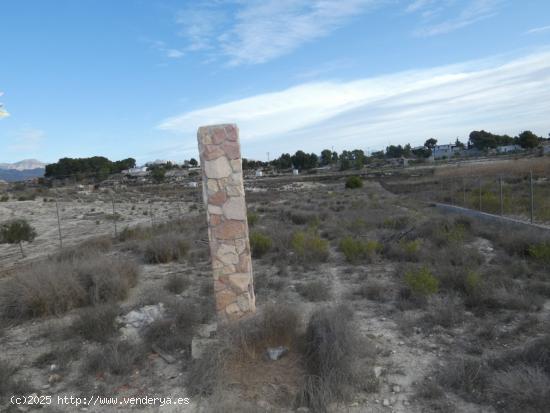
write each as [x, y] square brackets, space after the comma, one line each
[165, 248]
[96, 323]
[56, 287]
[176, 330]
[242, 345]
[446, 311]
[118, 358]
[332, 350]
[87, 248]
[372, 290]
[316, 290]
[521, 388]
[9, 385]
[466, 376]
[177, 283]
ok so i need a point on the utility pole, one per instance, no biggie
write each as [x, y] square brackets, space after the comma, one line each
[58, 224]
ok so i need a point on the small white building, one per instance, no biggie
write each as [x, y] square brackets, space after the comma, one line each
[141, 171]
[295, 172]
[259, 173]
[445, 151]
[508, 148]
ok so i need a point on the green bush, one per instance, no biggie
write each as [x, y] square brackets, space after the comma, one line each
[355, 250]
[15, 232]
[354, 182]
[252, 218]
[540, 252]
[259, 244]
[410, 248]
[309, 247]
[422, 282]
[473, 282]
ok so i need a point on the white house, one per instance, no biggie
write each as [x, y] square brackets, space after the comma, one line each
[445, 151]
[508, 148]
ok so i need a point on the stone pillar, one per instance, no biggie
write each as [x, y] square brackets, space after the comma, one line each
[223, 192]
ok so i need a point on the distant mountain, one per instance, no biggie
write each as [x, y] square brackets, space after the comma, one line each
[22, 170]
[24, 165]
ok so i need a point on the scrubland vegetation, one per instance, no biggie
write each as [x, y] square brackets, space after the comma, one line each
[380, 301]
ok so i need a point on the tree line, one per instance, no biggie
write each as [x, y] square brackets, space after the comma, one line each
[97, 167]
[356, 159]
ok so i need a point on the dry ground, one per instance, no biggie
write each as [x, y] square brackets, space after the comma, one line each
[442, 314]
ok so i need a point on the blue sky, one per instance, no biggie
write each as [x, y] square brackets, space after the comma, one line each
[138, 77]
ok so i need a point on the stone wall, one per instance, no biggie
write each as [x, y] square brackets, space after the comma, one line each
[223, 193]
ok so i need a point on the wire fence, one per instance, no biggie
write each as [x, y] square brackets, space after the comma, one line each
[525, 197]
[63, 219]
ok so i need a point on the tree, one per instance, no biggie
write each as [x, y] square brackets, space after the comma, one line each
[528, 139]
[193, 162]
[393, 151]
[15, 232]
[430, 143]
[302, 160]
[483, 140]
[326, 157]
[422, 152]
[459, 144]
[158, 173]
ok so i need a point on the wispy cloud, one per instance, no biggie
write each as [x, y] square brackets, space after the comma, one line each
[402, 107]
[259, 31]
[3, 112]
[434, 14]
[28, 141]
[166, 51]
[537, 30]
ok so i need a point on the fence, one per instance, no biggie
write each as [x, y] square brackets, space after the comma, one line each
[525, 197]
[65, 217]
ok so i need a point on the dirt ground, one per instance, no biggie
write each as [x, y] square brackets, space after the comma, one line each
[408, 353]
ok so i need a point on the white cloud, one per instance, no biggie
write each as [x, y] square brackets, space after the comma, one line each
[168, 52]
[258, 31]
[504, 96]
[27, 140]
[435, 12]
[3, 112]
[537, 30]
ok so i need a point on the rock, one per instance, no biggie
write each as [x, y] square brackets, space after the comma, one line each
[144, 316]
[54, 378]
[275, 353]
[135, 320]
[377, 371]
[396, 388]
[54, 367]
[302, 410]
[385, 402]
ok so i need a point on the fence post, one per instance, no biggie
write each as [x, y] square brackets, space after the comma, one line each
[464, 190]
[501, 197]
[59, 224]
[151, 216]
[114, 216]
[532, 196]
[480, 194]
